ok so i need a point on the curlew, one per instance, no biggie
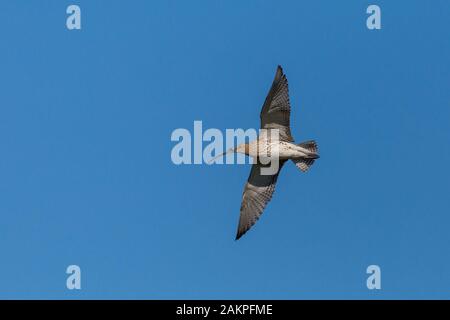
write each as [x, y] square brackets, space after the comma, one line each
[275, 119]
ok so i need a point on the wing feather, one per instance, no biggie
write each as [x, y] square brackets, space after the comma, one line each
[257, 193]
[275, 113]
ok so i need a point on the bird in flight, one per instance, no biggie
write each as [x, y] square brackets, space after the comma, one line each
[275, 118]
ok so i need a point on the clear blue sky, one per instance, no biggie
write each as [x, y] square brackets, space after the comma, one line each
[86, 176]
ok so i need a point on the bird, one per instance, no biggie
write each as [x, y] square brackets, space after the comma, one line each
[274, 121]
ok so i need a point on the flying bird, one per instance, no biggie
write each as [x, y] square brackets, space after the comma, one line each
[275, 116]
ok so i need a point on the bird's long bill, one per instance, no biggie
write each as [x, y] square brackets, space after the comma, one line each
[231, 150]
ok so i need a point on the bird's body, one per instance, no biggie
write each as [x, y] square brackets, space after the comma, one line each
[286, 150]
[275, 143]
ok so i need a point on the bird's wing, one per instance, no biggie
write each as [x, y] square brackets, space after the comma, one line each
[257, 193]
[275, 113]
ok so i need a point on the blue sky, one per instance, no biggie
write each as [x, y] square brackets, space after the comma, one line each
[86, 176]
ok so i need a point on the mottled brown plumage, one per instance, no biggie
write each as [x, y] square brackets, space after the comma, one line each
[275, 115]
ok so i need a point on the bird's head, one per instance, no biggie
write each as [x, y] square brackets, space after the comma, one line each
[242, 148]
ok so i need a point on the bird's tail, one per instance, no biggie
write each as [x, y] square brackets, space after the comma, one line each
[305, 163]
[310, 145]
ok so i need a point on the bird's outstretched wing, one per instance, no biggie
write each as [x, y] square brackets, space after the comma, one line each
[257, 193]
[275, 113]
